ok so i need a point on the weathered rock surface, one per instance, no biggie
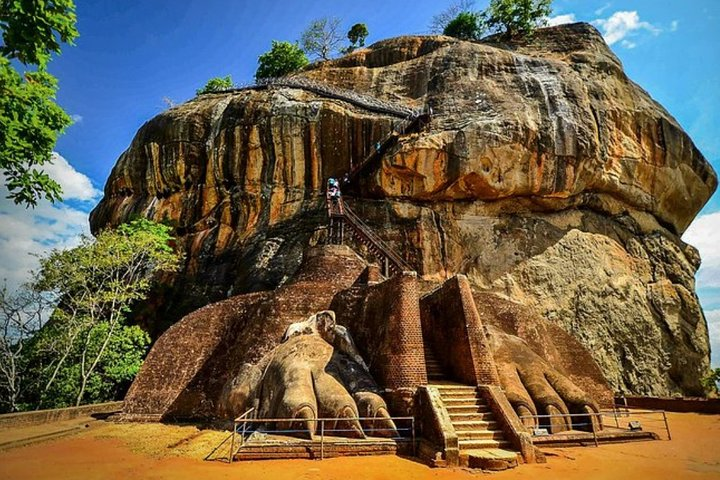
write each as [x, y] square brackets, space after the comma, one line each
[546, 176]
[230, 357]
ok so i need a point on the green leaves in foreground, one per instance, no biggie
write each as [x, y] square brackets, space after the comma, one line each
[30, 120]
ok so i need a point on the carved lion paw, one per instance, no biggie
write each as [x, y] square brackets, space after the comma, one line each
[317, 373]
[534, 387]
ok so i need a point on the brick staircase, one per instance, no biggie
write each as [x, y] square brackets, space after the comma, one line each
[434, 370]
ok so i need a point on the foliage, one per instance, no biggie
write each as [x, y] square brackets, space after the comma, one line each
[86, 350]
[216, 84]
[31, 29]
[322, 37]
[282, 59]
[516, 18]
[117, 366]
[21, 315]
[357, 35]
[440, 21]
[30, 120]
[711, 381]
[466, 25]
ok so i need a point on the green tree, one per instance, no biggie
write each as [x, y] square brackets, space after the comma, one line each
[21, 316]
[322, 37]
[357, 35]
[282, 59]
[96, 284]
[711, 381]
[466, 25]
[440, 21]
[516, 18]
[30, 120]
[216, 84]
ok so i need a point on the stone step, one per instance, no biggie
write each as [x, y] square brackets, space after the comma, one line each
[476, 444]
[462, 400]
[494, 459]
[463, 425]
[455, 390]
[467, 408]
[457, 393]
[471, 417]
[480, 435]
[456, 386]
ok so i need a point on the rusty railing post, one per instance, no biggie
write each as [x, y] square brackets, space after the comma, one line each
[667, 428]
[413, 437]
[232, 443]
[322, 439]
[592, 427]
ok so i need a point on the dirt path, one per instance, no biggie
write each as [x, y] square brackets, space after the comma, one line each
[136, 452]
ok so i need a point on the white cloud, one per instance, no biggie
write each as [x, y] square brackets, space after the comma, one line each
[27, 232]
[704, 234]
[628, 44]
[75, 185]
[76, 118]
[713, 320]
[623, 24]
[561, 19]
[674, 25]
[600, 10]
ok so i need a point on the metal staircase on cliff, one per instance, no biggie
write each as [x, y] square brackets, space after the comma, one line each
[344, 222]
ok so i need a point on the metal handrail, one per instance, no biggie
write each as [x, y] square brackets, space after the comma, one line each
[399, 130]
[379, 243]
[601, 414]
[366, 101]
[242, 418]
[323, 431]
[247, 412]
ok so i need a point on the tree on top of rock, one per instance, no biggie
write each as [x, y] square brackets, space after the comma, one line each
[322, 37]
[439, 22]
[216, 84]
[282, 59]
[467, 26]
[357, 35]
[516, 18]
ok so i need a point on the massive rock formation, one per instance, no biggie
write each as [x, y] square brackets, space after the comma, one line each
[546, 176]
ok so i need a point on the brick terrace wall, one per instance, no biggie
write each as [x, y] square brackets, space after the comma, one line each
[452, 327]
[384, 320]
[187, 368]
[697, 405]
[37, 417]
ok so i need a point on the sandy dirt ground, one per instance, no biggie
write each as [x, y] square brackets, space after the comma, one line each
[150, 451]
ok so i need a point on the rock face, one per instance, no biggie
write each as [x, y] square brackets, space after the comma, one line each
[546, 176]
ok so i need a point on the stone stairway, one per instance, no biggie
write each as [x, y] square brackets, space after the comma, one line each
[481, 442]
[434, 370]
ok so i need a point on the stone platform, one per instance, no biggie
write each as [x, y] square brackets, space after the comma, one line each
[272, 447]
[574, 437]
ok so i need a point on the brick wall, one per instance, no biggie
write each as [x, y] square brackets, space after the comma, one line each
[187, 368]
[453, 329]
[384, 320]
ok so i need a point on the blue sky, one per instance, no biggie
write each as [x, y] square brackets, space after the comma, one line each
[132, 54]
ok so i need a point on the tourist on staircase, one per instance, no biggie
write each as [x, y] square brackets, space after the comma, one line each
[333, 195]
